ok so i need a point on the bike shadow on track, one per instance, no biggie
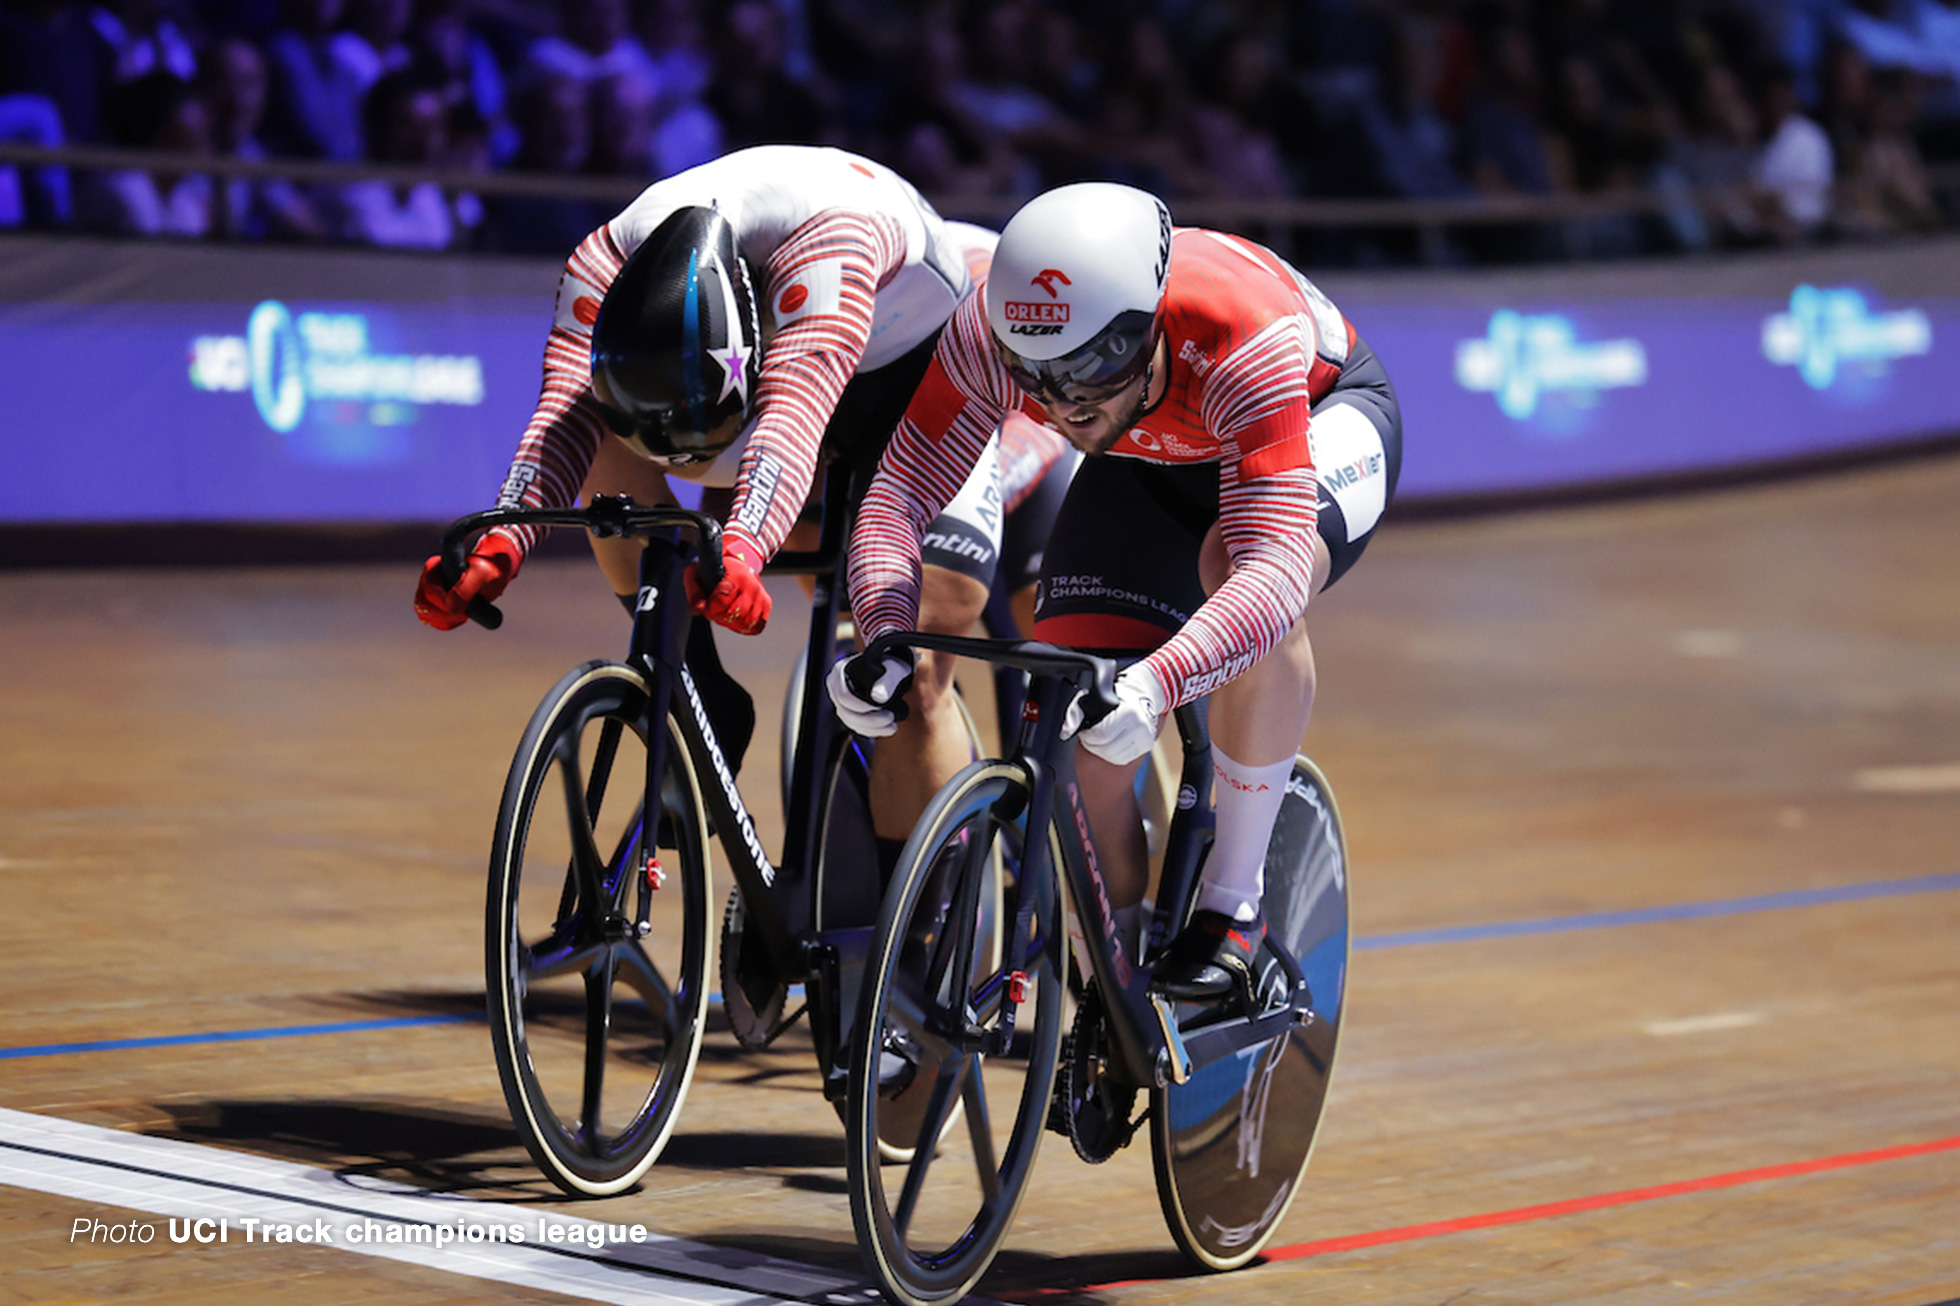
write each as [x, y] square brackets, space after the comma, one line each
[1032, 1277]
[386, 1141]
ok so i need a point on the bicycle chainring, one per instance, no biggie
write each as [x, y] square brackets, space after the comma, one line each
[751, 998]
[1094, 1108]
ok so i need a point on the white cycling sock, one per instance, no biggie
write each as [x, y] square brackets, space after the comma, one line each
[1247, 799]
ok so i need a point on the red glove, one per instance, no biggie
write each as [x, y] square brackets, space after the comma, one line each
[491, 567]
[739, 602]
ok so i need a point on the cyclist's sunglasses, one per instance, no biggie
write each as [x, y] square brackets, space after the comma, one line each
[1093, 374]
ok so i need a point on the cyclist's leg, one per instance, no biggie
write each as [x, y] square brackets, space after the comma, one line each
[1121, 573]
[1258, 719]
[961, 552]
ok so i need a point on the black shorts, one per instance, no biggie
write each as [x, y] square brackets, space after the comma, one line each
[1122, 564]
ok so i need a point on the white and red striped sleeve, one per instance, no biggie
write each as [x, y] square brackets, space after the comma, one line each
[1257, 403]
[821, 284]
[565, 429]
[946, 428]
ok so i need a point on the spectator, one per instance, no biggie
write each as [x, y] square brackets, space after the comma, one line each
[995, 95]
[1598, 156]
[594, 43]
[1793, 172]
[755, 99]
[406, 121]
[139, 39]
[1844, 112]
[686, 132]
[466, 149]
[1884, 188]
[552, 122]
[233, 84]
[461, 64]
[1142, 134]
[373, 43]
[1506, 142]
[621, 129]
[32, 196]
[1717, 159]
[1230, 121]
[1505, 137]
[154, 112]
[1410, 145]
[1060, 66]
[673, 36]
[316, 97]
[47, 48]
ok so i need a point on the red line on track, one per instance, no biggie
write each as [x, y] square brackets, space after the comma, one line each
[1573, 1206]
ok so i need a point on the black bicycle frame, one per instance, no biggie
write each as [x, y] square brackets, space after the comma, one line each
[1147, 1044]
[780, 905]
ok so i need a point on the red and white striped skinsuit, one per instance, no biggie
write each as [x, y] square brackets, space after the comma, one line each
[1250, 346]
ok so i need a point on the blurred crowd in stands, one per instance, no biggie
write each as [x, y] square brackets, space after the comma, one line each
[1742, 122]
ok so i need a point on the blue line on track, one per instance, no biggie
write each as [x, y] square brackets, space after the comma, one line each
[1686, 911]
[231, 1036]
[1682, 911]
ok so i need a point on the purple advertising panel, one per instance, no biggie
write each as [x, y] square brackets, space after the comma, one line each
[158, 383]
[150, 383]
[1523, 383]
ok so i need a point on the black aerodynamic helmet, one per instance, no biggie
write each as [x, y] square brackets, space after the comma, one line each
[676, 342]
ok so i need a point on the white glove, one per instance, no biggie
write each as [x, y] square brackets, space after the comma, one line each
[870, 717]
[1127, 733]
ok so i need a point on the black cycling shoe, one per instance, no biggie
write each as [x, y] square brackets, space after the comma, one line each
[1210, 958]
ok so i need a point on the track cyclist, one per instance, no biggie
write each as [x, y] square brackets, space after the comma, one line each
[733, 324]
[1243, 443]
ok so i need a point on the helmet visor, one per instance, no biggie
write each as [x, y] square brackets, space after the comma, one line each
[661, 435]
[1094, 373]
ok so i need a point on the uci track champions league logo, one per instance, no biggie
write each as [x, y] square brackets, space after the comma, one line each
[323, 363]
[1833, 338]
[1535, 363]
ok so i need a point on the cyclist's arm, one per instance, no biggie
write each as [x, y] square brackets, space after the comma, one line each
[1257, 401]
[946, 428]
[565, 429]
[821, 284]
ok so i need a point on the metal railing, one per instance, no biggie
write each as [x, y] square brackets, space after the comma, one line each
[1429, 219]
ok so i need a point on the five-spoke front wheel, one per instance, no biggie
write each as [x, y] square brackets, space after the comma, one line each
[974, 1015]
[598, 933]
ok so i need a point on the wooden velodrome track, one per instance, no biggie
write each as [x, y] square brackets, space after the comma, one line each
[1655, 821]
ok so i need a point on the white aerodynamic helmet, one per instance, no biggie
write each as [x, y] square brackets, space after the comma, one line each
[1077, 290]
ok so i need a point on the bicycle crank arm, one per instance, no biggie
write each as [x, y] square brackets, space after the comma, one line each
[1174, 1061]
[1217, 1041]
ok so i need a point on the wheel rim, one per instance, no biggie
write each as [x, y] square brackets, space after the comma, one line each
[597, 1026]
[932, 1222]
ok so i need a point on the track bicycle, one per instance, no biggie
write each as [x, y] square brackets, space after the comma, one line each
[599, 930]
[1234, 1087]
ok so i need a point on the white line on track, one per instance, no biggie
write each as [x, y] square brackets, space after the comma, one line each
[190, 1181]
[1703, 1024]
[1908, 779]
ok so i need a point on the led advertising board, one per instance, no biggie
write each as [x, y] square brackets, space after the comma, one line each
[156, 383]
[1531, 384]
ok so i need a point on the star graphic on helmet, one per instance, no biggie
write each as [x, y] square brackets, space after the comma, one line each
[734, 362]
